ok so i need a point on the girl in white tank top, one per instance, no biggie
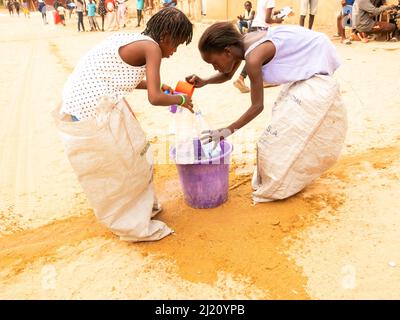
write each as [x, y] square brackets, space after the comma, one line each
[308, 124]
[280, 55]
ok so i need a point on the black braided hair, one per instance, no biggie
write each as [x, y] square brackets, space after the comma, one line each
[172, 23]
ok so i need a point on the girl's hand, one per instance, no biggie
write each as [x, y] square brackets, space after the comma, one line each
[165, 87]
[214, 136]
[188, 102]
[196, 81]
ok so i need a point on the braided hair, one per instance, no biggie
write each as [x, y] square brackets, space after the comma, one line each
[172, 23]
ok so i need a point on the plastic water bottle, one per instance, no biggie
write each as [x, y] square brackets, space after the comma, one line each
[184, 137]
[207, 147]
[172, 119]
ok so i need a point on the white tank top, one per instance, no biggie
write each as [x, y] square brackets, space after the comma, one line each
[300, 54]
[247, 14]
[101, 72]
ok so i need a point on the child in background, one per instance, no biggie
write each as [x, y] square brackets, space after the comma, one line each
[91, 8]
[70, 7]
[121, 13]
[10, 7]
[262, 20]
[139, 10]
[149, 4]
[308, 6]
[79, 11]
[111, 15]
[61, 12]
[104, 141]
[17, 6]
[42, 10]
[25, 9]
[101, 10]
[340, 22]
[246, 19]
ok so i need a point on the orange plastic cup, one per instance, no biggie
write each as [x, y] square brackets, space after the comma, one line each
[185, 87]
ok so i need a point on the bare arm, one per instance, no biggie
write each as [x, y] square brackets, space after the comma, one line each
[222, 77]
[149, 54]
[216, 78]
[254, 62]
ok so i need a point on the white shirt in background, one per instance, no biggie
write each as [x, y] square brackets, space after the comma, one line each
[261, 13]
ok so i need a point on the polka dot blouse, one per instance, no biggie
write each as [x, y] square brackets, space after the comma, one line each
[101, 72]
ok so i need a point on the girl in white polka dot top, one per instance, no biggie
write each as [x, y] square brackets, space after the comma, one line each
[105, 143]
[119, 64]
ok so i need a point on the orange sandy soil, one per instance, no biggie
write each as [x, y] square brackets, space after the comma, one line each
[337, 239]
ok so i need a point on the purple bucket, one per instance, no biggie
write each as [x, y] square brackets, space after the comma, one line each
[205, 184]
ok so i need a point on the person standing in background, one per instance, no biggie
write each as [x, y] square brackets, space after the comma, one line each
[56, 4]
[305, 6]
[42, 9]
[79, 11]
[25, 9]
[17, 6]
[121, 13]
[10, 7]
[340, 22]
[101, 10]
[112, 24]
[61, 12]
[70, 7]
[91, 9]
[149, 4]
[139, 10]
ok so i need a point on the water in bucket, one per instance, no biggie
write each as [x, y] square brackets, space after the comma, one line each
[208, 148]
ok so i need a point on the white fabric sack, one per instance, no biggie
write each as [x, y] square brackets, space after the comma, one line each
[113, 162]
[304, 139]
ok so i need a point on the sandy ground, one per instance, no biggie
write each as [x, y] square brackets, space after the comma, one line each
[339, 238]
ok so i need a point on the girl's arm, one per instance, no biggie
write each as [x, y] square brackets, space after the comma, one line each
[164, 87]
[254, 62]
[149, 54]
[217, 78]
[257, 96]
